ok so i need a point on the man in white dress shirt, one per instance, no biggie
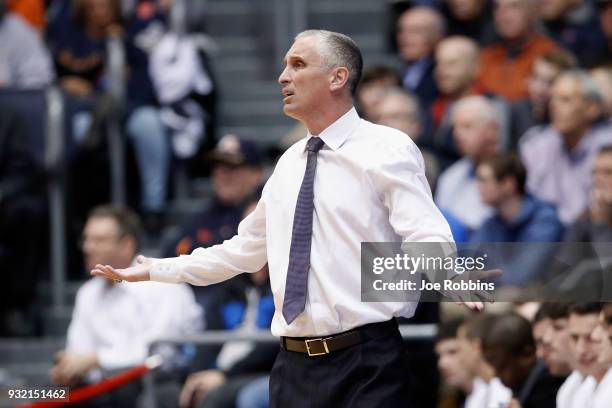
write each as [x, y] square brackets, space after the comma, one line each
[603, 391]
[369, 186]
[556, 351]
[592, 353]
[113, 324]
[462, 365]
[603, 395]
[552, 338]
[488, 390]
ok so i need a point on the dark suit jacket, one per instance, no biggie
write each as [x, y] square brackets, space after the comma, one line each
[426, 89]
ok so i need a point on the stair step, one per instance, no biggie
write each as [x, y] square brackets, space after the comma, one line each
[229, 7]
[236, 44]
[266, 136]
[56, 324]
[19, 350]
[44, 292]
[346, 7]
[233, 67]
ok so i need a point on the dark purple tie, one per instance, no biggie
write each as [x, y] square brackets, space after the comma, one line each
[301, 239]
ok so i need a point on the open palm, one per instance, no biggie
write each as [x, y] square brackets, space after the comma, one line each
[139, 272]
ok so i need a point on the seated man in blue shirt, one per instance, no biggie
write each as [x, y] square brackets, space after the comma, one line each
[518, 216]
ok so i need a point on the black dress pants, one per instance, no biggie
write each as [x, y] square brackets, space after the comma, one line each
[370, 374]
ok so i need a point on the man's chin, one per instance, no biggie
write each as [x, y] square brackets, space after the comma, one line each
[290, 111]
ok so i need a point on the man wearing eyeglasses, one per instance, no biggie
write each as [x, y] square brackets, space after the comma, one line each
[113, 324]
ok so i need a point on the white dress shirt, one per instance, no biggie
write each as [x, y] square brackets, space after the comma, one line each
[458, 194]
[603, 393]
[119, 321]
[478, 397]
[583, 396]
[567, 391]
[498, 394]
[493, 394]
[370, 186]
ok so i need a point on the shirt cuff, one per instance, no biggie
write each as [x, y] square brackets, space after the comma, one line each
[165, 270]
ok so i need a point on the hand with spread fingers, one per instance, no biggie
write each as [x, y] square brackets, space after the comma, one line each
[466, 297]
[137, 273]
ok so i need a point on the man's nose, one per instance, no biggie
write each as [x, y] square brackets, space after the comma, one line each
[283, 78]
[581, 346]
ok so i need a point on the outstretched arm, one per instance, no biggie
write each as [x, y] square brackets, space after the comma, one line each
[245, 252]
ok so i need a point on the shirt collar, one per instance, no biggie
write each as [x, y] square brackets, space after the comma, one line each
[336, 134]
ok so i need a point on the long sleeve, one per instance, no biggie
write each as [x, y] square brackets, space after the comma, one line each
[245, 252]
[413, 215]
[405, 192]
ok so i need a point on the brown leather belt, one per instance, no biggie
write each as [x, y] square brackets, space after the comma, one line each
[323, 345]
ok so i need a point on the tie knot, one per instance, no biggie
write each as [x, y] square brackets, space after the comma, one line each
[314, 144]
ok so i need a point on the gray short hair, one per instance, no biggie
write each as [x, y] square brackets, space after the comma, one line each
[588, 86]
[338, 50]
[436, 24]
[484, 108]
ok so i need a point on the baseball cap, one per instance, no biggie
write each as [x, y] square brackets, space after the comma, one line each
[235, 151]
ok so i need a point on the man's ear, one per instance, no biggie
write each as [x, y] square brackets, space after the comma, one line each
[339, 78]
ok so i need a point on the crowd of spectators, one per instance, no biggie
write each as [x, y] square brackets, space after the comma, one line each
[119, 65]
[509, 101]
[558, 357]
[514, 122]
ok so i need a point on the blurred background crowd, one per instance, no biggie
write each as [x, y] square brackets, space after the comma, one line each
[149, 126]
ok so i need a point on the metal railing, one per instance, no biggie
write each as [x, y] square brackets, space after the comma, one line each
[116, 144]
[54, 165]
[212, 337]
[216, 337]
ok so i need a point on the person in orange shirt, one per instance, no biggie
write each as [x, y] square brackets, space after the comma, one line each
[506, 65]
[32, 11]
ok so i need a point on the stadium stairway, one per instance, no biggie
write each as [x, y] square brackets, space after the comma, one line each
[245, 62]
